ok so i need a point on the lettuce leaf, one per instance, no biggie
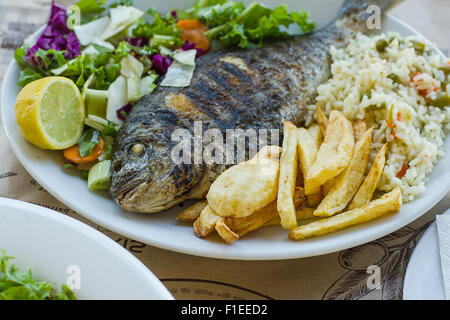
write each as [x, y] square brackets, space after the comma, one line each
[91, 6]
[15, 285]
[88, 141]
[159, 26]
[236, 25]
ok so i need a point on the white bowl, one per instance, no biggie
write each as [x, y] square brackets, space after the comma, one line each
[59, 249]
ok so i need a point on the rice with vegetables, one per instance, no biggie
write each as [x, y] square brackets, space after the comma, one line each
[399, 86]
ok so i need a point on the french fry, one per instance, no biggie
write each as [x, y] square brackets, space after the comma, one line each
[205, 223]
[225, 232]
[348, 182]
[288, 175]
[242, 226]
[334, 154]
[359, 128]
[366, 190]
[316, 134]
[390, 202]
[322, 120]
[247, 186]
[307, 151]
[193, 212]
[301, 213]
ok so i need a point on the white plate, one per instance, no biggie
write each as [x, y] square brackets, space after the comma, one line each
[162, 229]
[423, 277]
[57, 247]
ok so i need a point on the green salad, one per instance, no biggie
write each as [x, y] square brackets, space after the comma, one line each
[116, 53]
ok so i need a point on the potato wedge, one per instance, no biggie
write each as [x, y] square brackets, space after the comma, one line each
[334, 154]
[301, 213]
[359, 128]
[322, 120]
[307, 151]
[316, 134]
[242, 226]
[225, 232]
[348, 182]
[193, 212]
[248, 186]
[205, 223]
[390, 202]
[366, 190]
[288, 175]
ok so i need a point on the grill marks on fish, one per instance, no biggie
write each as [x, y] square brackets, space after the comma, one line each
[231, 89]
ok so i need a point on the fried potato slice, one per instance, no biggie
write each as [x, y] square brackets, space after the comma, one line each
[288, 175]
[301, 213]
[390, 202]
[307, 152]
[193, 212]
[348, 182]
[359, 128]
[206, 222]
[225, 232]
[316, 134]
[307, 149]
[366, 190]
[322, 120]
[247, 186]
[242, 226]
[334, 154]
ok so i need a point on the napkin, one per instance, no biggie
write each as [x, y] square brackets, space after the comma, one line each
[443, 224]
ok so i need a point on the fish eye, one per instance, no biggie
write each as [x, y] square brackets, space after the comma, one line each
[137, 149]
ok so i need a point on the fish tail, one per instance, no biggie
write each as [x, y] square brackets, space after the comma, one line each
[355, 14]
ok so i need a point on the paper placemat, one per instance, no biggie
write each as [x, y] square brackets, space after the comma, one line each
[341, 275]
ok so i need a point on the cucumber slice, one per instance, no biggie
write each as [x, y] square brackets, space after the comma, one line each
[95, 122]
[99, 177]
[96, 101]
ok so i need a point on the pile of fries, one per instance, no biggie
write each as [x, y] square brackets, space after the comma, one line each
[319, 185]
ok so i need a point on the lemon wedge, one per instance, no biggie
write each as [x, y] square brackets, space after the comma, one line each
[50, 113]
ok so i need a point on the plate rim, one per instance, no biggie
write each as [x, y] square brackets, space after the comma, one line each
[344, 243]
[96, 236]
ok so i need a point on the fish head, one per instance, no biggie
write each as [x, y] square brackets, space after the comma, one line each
[145, 178]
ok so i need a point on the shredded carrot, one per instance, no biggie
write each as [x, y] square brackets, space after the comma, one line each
[394, 135]
[72, 154]
[402, 171]
[399, 116]
[194, 32]
[390, 125]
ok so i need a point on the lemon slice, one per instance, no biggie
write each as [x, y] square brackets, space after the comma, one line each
[50, 113]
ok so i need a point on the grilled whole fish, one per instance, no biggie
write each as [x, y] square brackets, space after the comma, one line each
[252, 88]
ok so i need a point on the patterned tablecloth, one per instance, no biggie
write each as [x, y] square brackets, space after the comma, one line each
[340, 275]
